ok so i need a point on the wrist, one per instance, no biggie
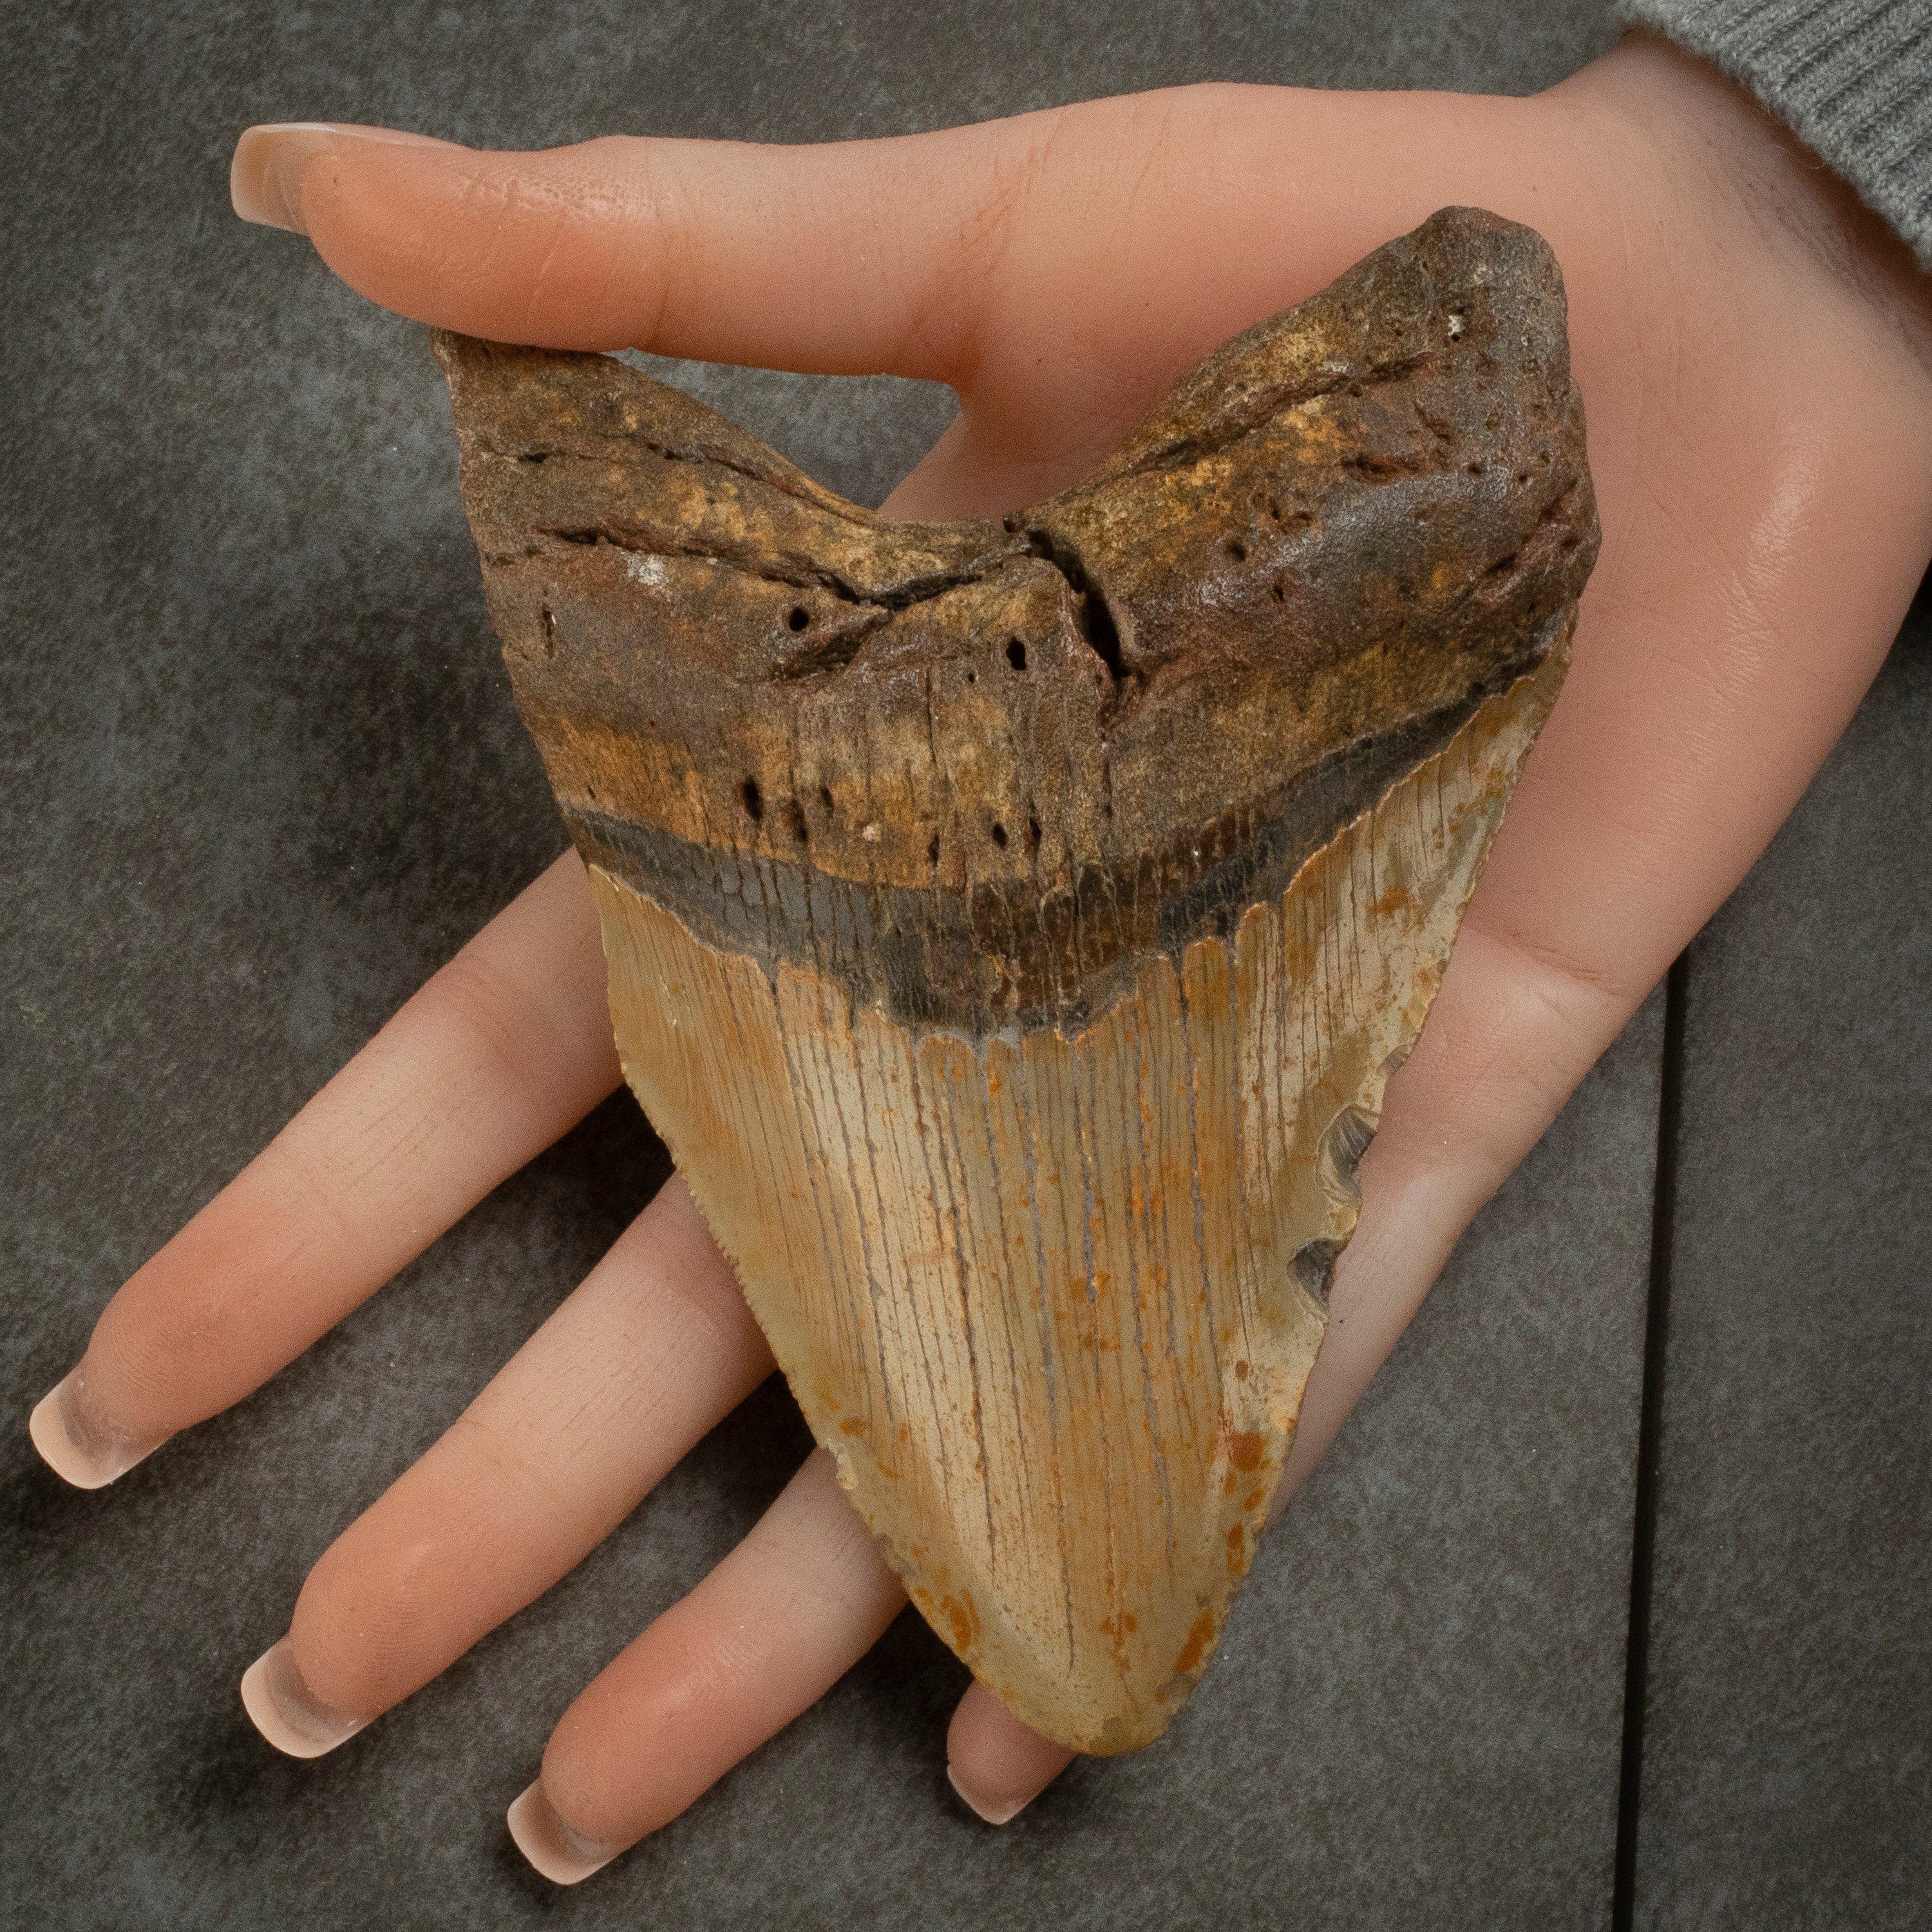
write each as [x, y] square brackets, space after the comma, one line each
[1705, 148]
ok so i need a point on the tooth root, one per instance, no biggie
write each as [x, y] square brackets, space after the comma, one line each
[1012, 928]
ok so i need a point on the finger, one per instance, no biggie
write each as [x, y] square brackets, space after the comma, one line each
[997, 1764]
[835, 258]
[779, 1621]
[1110, 241]
[505, 1048]
[643, 1360]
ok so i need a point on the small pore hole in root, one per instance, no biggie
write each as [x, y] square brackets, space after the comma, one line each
[798, 618]
[825, 797]
[1033, 833]
[795, 812]
[1238, 550]
[1278, 592]
[932, 849]
[755, 799]
[1000, 836]
[1016, 653]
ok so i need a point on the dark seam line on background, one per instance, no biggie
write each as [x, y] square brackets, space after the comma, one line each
[1650, 1427]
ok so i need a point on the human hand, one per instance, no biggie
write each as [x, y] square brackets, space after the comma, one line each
[1754, 356]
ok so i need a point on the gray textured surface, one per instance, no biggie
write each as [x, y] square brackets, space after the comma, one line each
[1788, 1753]
[263, 774]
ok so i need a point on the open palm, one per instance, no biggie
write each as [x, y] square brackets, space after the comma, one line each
[1754, 355]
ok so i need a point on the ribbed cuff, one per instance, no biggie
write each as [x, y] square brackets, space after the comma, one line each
[1851, 78]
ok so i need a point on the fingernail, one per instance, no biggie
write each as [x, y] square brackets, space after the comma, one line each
[993, 1810]
[286, 1712]
[265, 178]
[77, 1447]
[564, 1856]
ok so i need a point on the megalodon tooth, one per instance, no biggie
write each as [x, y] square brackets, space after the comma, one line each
[1011, 924]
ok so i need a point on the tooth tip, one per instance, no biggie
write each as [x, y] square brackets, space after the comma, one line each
[282, 1708]
[563, 1855]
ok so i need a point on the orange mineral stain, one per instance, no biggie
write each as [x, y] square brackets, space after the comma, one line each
[961, 1619]
[1200, 1641]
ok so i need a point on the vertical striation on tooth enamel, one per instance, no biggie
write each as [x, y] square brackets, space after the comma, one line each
[1013, 925]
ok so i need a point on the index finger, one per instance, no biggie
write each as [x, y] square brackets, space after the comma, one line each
[501, 1051]
[842, 258]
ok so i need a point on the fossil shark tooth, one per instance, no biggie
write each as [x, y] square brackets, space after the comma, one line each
[1011, 924]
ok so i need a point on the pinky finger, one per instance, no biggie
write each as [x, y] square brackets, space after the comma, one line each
[772, 1628]
[997, 1764]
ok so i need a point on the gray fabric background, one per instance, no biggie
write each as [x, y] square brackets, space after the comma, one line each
[261, 774]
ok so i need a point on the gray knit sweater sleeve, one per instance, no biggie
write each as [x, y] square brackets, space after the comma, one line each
[1851, 78]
